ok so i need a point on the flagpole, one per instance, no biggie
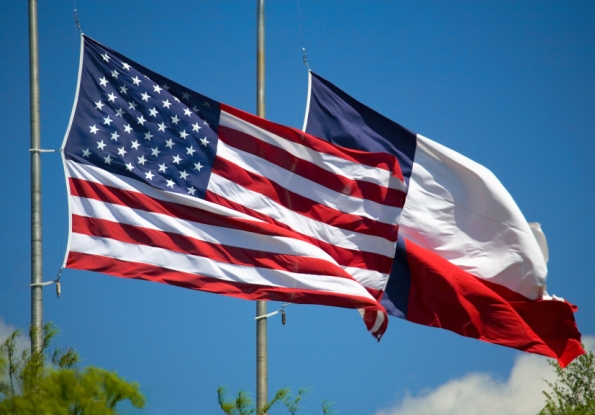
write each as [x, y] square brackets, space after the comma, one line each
[36, 264]
[261, 306]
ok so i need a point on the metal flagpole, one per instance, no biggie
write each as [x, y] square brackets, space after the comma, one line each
[261, 306]
[36, 270]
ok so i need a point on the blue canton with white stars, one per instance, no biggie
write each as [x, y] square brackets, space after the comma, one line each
[133, 122]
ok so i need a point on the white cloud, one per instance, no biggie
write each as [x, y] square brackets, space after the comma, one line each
[481, 394]
[589, 343]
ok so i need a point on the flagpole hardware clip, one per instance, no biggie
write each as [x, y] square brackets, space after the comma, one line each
[39, 150]
[281, 310]
[46, 283]
[41, 284]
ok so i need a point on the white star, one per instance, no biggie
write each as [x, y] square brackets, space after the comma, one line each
[111, 97]
[185, 95]
[119, 112]
[190, 150]
[93, 129]
[105, 57]
[127, 128]
[162, 167]
[206, 123]
[101, 144]
[175, 120]
[191, 190]
[183, 174]
[122, 151]
[107, 160]
[204, 141]
[115, 136]
[166, 103]
[123, 89]
[169, 143]
[177, 159]
[166, 87]
[184, 134]
[195, 108]
[141, 120]
[153, 112]
[125, 65]
[161, 127]
[132, 106]
[187, 112]
[136, 81]
[149, 175]
[148, 135]
[155, 151]
[129, 166]
[135, 145]
[99, 105]
[145, 96]
[198, 166]
[157, 88]
[103, 81]
[170, 183]
[142, 160]
[206, 104]
[107, 120]
[115, 74]
[86, 153]
[176, 98]
[195, 127]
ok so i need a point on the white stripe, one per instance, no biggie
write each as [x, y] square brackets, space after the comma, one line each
[336, 165]
[302, 224]
[458, 209]
[98, 175]
[368, 278]
[206, 267]
[309, 189]
[202, 232]
[379, 320]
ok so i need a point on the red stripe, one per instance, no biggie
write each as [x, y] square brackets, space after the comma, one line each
[310, 171]
[370, 317]
[443, 295]
[178, 243]
[301, 204]
[344, 256]
[246, 291]
[140, 201]
[381, 160]
[135, 200]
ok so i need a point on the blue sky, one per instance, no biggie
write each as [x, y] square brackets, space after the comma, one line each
[509, 84]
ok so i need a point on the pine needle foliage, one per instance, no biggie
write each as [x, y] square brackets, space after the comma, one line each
[244, 405]
[573, 393]
[327, 408]
[292, 402]
[48, 382]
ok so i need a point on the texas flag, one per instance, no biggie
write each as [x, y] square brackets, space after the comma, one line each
[466, 258]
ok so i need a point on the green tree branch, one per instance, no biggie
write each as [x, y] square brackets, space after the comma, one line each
[48, 382]
[573, 392]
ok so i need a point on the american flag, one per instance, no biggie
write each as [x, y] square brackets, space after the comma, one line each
[170, 186]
